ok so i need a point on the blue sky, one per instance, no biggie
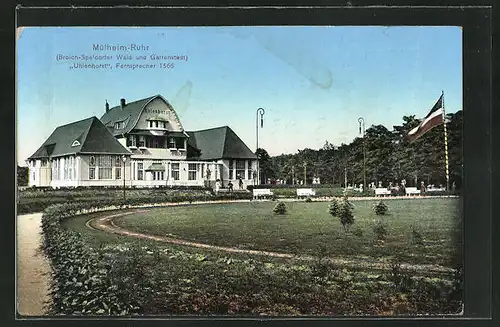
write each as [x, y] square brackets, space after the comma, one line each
[313, 82]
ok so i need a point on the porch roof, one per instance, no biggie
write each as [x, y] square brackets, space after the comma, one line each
[156, 167]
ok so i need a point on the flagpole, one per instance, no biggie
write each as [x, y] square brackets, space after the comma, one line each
[445, 145]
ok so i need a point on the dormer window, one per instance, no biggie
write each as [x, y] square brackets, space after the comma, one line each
[157, 124]
[75, 143]
[120, 125]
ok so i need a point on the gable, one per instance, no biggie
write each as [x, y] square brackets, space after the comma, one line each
[134, 115]
[159, 109]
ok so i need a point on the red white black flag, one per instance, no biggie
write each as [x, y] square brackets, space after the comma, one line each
[434, 118]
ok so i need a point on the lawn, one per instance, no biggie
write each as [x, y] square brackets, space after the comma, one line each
[162, 278]
[308, 229]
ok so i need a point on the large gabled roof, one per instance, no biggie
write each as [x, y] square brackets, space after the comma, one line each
[128, 114]
[219, 143]
[84, 136]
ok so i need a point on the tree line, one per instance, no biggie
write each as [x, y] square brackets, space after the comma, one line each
[390, 157]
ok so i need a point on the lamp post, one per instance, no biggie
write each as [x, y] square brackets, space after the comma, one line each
[305, 175]
[260, 112]
[361, 122]
[345, 178]
[124, 159]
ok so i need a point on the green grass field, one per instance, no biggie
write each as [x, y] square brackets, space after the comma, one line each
[174, 279]
[307, 228]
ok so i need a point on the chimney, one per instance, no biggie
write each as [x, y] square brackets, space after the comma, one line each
[107, 106]
[122, 103]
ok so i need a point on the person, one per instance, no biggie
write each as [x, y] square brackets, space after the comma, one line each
[230, 186]
[217, 186]
[241, 183]
[422, 187]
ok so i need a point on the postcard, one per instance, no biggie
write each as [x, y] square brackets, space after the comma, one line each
[239, 171]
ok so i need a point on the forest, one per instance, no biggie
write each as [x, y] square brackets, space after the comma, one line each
[390, 157]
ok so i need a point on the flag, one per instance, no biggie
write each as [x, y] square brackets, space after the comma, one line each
[434, 118]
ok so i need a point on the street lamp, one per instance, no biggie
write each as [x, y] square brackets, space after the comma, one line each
[361, 122]
[305, 175]
[124, 159]
[260, 112]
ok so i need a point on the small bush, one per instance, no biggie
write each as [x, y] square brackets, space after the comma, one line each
[380, 231]
[280, 208]
[358, 232]
[380, 208]
[416, 236]
[402, 279]
[308, 200]
[345, 213]
[333, 208]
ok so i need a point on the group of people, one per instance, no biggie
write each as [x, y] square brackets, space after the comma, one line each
[230, 186]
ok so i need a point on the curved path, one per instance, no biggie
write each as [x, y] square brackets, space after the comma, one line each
[33, 269]
[106, 224]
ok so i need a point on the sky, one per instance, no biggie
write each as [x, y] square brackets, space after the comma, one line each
[314, 82]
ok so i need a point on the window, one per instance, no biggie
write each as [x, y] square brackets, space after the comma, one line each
[65, 168]
[171, 143]
[249, 172]
[140, 171]
[92, 167]
[132, 141]
[179, 143]
[156, 124]
[105, 167]
[44, 163]
[231, 169]
[118, 167]
[156, 143]
[120, 125]
[175, 171]
[142, 141]
[75, 143]
[71, 164]
[158, 175]
[240, 169]
[150, 123]
[55, 169]
[192, 170]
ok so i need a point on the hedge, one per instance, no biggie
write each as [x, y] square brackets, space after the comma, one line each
[80, 283]
[39, 201]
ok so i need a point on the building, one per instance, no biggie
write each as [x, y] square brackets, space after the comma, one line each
[141, 144]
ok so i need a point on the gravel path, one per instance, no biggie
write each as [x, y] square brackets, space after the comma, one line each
[33, 268]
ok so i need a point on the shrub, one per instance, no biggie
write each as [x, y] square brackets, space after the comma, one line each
[358, 232]
[280, 208]
[380, 208]
[416, 236]
[344, 213]
[380, 231]
[333, 208]
[308, 200]
[402, 279]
